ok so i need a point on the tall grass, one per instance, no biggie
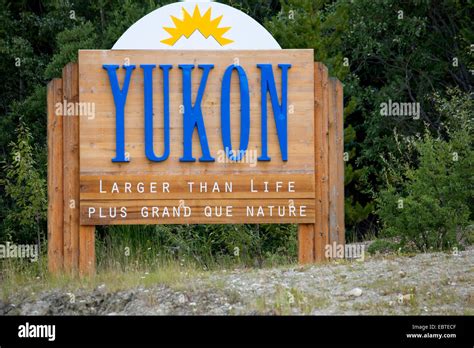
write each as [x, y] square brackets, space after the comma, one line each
[202, 246]
[133, 255]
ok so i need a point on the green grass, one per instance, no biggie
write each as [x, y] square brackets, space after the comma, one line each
[17, 277]
[130, 256]
[284, 301]
[207, 247]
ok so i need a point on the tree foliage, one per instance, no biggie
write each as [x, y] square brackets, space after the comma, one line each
[381, 51]
[25, 186]
[428, 199]
[404, 51]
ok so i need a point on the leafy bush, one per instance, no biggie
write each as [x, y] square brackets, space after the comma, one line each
[383, 246]
[429, 196]
[26, 187]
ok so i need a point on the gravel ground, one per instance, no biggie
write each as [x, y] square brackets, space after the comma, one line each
[432, 283]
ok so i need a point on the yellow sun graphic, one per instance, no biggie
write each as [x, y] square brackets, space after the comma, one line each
[203, 23]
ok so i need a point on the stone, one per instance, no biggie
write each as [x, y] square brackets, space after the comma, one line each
[356, 292]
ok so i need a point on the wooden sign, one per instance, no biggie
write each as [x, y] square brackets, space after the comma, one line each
[229, 137]
[196, 116]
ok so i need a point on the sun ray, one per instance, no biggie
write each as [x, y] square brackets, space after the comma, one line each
[202, 23]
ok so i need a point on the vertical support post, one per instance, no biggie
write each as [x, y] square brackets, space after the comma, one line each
[329, 170]
[305, 243]
[71, 247]
[341, 229]
[55, 178]
[321, 235]
[336, 163]
[71, 170]
[333, 157]
[87, 250]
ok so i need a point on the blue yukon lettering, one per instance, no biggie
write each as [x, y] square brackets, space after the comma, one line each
[193, 115]
[244, 113]
[280, 111]
[148, 102]
[120, 97]
[193, 118]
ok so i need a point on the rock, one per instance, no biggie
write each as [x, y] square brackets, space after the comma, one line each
[404, 298]
[182, 299]
[356, 292]
[402, 274]
[35, 308]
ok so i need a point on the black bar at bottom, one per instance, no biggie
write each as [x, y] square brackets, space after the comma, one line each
[135, 331]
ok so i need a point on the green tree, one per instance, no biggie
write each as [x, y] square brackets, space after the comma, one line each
[381, 51]
[429, 197]
[322, 25]
[25, 185]
[378, 52]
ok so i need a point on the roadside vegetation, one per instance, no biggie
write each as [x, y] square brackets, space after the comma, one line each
[408, 178]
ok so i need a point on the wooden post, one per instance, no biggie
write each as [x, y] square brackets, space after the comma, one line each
[71, 171]
[332, 158]
[305, 243]
[340, 162]
[87, 250]
[71, 247]
[55, 178]
[336, 163]
[329, 170]
[322, 163]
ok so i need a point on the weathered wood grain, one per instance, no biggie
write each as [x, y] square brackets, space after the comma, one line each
[197, 206]
[71, 171]
[340, 162]
[243, 186]
[97, 132]
[55, 178]
[306, 243]
[87, 259]
[333, 157]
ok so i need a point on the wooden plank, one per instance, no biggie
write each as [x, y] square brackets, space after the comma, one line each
[325, 163]
[318, 110]
[305, 243]
[98, 133]
[321, 155]
[249, 211]
[333, 157]
[87, 260]
[244, 186]
[71, 171]
[340, 162]
[55, 179]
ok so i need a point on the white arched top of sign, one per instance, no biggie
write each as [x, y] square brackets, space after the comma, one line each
[196, 25]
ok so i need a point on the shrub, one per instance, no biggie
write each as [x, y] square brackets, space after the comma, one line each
[383, 246]
[429, 196]
[26, 187]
